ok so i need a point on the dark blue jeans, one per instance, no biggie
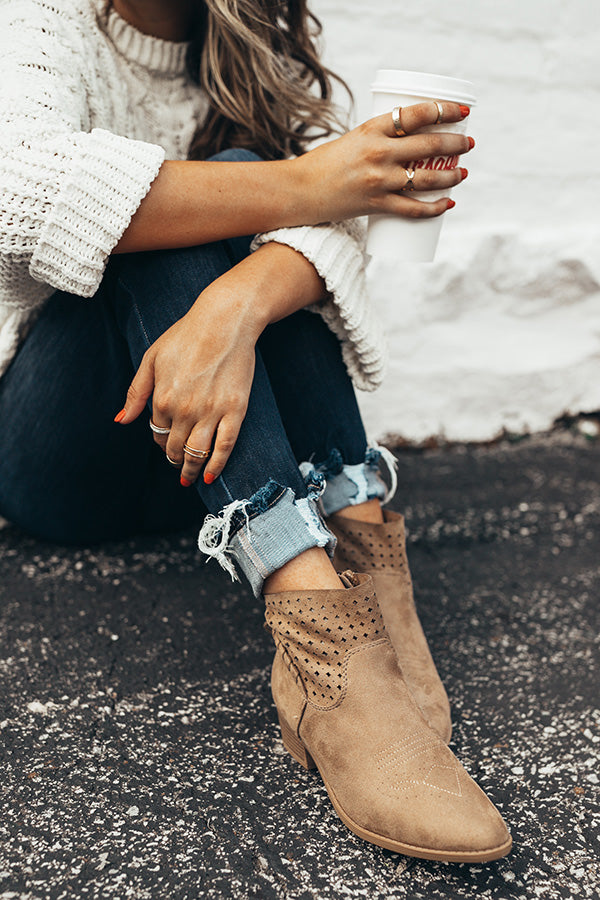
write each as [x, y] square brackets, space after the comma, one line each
[69, 474]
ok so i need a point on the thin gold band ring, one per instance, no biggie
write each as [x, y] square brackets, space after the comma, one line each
[197, 454]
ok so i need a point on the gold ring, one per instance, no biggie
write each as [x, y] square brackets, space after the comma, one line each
[410, 174]
[397, 120]
[440, 112]
[197, 454]
[173, 461]
[158, 429]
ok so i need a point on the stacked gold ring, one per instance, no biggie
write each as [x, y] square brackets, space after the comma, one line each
[197, 454]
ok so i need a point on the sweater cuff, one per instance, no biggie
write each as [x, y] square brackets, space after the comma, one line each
[100, 188]
[335, 251]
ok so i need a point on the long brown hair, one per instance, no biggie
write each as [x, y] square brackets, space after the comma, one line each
[258, 63]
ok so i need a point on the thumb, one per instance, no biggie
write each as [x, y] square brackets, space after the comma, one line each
[139, 391]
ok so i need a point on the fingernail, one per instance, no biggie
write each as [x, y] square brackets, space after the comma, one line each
[120, 416]
[450, 204]
[184, 482]
[209, 477]
[464, 111]
[464, 172]
[471, 143]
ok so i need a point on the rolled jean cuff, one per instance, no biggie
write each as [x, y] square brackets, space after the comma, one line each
[265, 532]
[349, 485]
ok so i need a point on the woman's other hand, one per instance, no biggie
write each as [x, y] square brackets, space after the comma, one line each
[363, 172]
[199, 372]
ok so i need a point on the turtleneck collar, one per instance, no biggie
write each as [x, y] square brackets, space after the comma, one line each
[155, 54]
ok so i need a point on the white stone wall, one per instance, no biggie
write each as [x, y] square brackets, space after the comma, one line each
[503, 329]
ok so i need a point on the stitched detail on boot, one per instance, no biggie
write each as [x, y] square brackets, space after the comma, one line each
[319, 637]
[392, 763]
[428, 781]
[405, 749]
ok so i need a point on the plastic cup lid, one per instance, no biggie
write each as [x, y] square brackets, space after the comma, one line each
[424, 84]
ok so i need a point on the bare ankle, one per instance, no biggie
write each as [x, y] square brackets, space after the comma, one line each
[312, 570]
[370, 511]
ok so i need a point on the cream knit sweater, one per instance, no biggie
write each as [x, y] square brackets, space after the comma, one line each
[89, 109]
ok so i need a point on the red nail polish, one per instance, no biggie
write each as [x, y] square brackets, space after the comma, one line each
[471, 143]
[464, 111]
[450, 204]
[120, 416]
[209, 477]
[464, 173]
[184, 482]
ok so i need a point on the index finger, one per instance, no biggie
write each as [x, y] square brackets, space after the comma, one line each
[139, 390]
[419, 115]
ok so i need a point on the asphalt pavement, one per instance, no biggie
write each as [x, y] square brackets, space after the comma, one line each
[139, 746]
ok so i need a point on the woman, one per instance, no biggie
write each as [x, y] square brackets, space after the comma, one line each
[143, 142]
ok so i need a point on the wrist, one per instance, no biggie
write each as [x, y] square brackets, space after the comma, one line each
[226, 307]
[270, 284]
[302, 192]
[285, 282]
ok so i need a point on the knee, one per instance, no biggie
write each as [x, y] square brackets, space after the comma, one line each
[172, 278]
[235, 154]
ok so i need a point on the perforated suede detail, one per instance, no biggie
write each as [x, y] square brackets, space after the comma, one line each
[318, 631]
[365, 547]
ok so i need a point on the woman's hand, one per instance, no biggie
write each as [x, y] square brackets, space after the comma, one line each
[200, 371]
[363, 172]
[357, 174]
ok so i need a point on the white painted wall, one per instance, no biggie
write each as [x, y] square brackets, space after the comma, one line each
[503, 329]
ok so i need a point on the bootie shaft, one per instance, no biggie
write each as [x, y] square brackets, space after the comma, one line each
[380, 550]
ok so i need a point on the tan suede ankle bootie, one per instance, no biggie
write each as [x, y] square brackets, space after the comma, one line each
[380, 550]
[344, 707]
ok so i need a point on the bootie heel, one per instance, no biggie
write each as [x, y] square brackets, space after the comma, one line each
[344, 707]
[295, 747]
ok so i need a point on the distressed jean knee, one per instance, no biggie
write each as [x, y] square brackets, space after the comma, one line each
[261, 534]
[349, 485]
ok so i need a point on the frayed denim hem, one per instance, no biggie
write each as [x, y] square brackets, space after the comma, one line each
[349, 485]
[265, 532]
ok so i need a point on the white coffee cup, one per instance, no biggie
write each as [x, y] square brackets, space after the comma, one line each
[393, 237]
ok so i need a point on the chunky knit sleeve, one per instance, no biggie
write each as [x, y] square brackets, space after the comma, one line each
[336, 252]
[67, 192]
